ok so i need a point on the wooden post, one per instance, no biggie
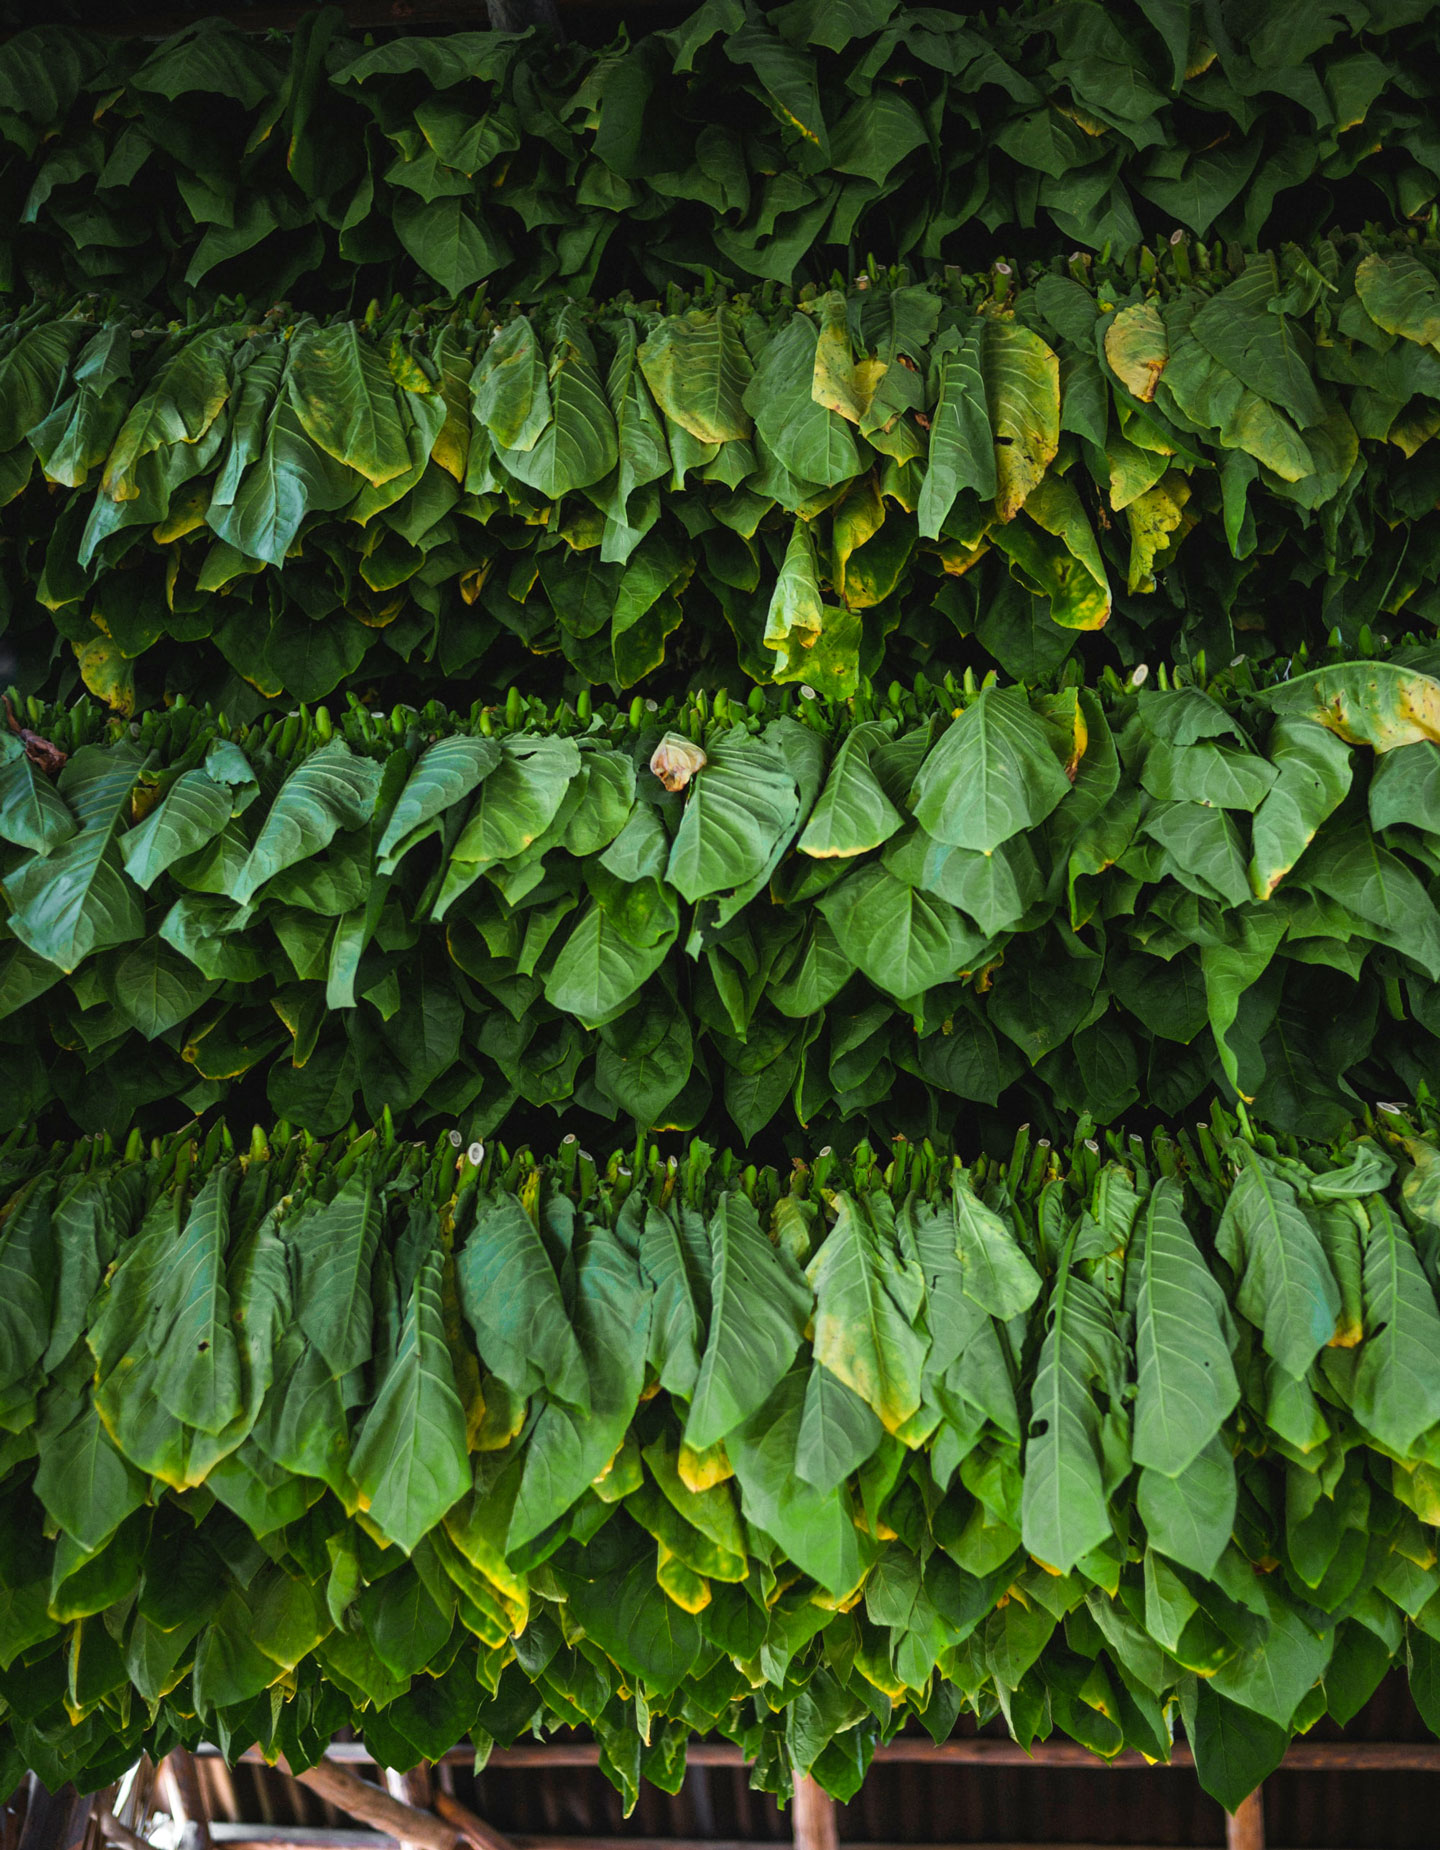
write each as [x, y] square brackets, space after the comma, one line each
[411, 1788]
[815, 1825]
[54, 1820]
[1245, 1826]
[187, 1800]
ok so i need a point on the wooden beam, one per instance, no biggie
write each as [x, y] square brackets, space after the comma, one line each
[114, 1832]
[814, 1825]
[474, 1830]
[303, 1837]
[372, 1806]
[1245, 1826]
[972, 1750]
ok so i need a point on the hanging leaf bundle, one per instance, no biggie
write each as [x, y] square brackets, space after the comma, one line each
[804, 490]
[879, 913]
[751, 142]
[438, 1443]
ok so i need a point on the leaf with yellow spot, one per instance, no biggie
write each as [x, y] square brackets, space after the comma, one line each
[107, 672]
[680, 1583]
[1137, 347]
[1366, 703]
[1022, 394]
[1154, 518]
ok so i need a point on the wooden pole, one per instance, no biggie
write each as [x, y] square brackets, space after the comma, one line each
[815, 1826]
[188, 1800]
[1245, 1826]
[54, 1820]
[411, 1788]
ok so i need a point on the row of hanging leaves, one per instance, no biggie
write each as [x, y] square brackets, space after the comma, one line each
[431, 1444]
[751, 142]
[312, 500]
[706, 916]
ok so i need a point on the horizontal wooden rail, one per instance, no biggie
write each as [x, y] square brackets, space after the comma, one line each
[1302, 1757]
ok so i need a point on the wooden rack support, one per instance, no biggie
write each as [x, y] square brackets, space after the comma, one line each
[815, 1824]
[1302, 1757]
[371, 1806]
[1245, 1826]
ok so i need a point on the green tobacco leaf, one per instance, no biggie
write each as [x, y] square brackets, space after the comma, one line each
[86, 1484]
[1186, 1379]
[698, 369]
[27, 1288]
[838, 1432]
[992, 774]
[1404, 787]
[33, 814]
[675, 1257]
[1189, 1517]
[740, 805]
[449, 242]
[1287, 1289]
[568, 1448]
[179, 408]
[1353, 869]
[630, 1617]
[198, 1377]
[1207, 773]
[516, 803]
[1235, 1749]
[156, 988]
[1400, 295]
[996, 889]
[865, 1301]
[445, 774]
[579, 445]
[814, 1527]
[1314, 776]
[335, 1246]
[905, 941]
[75, 899]
[814, 443]
[346, 400]
[759, 1309]
[1022, 393]
[962, 447]
[996, 1274]
[511, 387]
[410, 1463]
[852, 813]
[1396, 1395]
[1063, 1511]
[1262, 348]
[333, 790]
[513, 1299]
[187, 818]
[600, 970]
[274, 476]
